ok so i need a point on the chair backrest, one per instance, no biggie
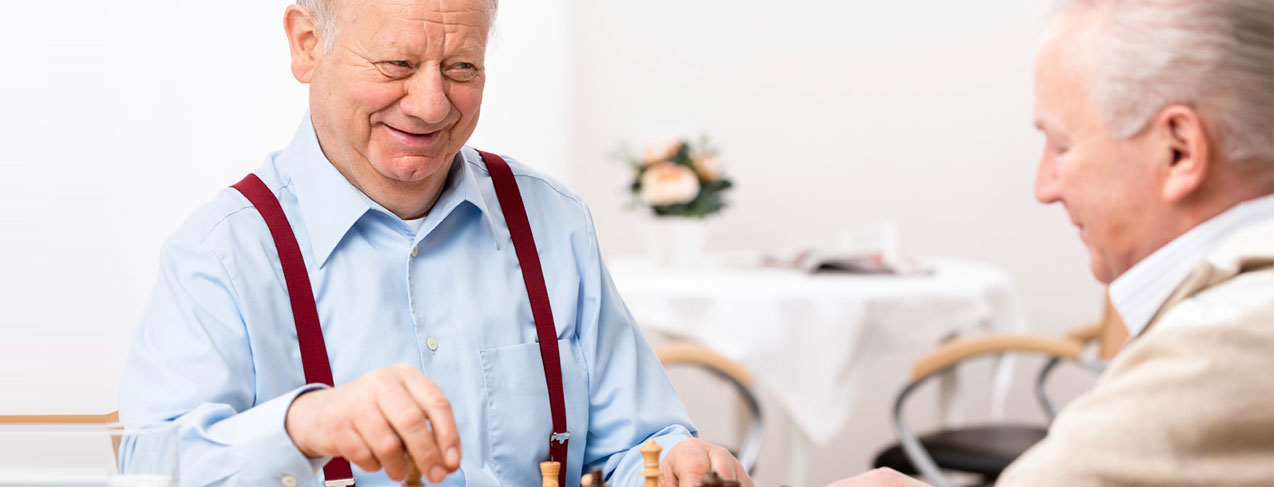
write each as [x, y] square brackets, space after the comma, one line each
[685, 353]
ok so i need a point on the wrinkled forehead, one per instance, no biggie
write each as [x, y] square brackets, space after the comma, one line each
[410, 23]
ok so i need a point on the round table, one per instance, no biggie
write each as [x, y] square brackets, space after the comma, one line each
[811, 340]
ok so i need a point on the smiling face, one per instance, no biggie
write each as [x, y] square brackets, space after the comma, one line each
[398, 94]
[1109, 186]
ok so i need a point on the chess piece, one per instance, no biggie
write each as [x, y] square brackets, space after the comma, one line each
[650, 452]
[413, 475]
[549, 471]
[711, 480]
[593, 479]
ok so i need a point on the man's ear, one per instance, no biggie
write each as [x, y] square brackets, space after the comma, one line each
[1180, 133]
[303, 41]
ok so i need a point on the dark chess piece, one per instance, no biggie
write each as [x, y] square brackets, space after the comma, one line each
[712, 480]
[593, 479]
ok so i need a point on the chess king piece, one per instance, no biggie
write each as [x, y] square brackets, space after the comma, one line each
[650, 452]
[549, 471]
[413, 475]
[593, 479]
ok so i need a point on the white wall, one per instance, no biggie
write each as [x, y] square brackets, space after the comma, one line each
[835, 115]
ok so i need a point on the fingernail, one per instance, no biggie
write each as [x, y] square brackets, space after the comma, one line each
[437, 474]
[453, 457]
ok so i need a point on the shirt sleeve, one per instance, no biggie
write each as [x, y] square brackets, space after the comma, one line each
[630, 397]
[191, 364]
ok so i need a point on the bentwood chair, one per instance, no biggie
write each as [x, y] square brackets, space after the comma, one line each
[679, 353]
[986, 450]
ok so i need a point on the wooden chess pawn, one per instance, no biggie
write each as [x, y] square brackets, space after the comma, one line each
[593, 479]
[650, 453]
[413, 475]
[549, 471]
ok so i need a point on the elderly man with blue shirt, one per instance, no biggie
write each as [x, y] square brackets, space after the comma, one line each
[433, 271]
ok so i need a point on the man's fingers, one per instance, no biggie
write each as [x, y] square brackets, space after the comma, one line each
[412, 428]
[739, 473]
[350, 444]
[723, 463]
[438, 409]
[691, 465]
[383, 443]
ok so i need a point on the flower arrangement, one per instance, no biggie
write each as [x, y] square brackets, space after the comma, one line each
[679, 178]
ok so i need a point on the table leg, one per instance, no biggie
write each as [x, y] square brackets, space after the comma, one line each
[798, 447]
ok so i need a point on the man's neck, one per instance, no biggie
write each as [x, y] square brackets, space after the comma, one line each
[408, 200]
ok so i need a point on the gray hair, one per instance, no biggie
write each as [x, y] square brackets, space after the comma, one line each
[1216, 56]
[325, 19]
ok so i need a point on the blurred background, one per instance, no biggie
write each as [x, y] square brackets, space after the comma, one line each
[117, 119]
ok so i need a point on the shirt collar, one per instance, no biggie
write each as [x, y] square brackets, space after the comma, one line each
[330, 205]
[1139, 293]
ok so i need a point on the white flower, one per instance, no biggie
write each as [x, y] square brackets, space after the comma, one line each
[669, 183]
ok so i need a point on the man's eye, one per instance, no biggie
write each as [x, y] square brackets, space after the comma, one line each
[462, 71]
[395, 69]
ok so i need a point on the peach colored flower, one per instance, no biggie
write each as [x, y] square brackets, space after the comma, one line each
[669, 183]
[708, 167]
[656, 154]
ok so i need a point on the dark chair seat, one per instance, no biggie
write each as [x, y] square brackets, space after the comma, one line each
[985, 450]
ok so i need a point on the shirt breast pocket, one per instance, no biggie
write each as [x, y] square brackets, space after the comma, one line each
[517, 407]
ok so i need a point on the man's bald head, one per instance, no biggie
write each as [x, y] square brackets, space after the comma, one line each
[324, 13]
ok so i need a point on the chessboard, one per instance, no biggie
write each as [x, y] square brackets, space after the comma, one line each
[550, 470]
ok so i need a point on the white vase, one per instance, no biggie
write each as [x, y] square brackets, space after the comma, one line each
[676, 241]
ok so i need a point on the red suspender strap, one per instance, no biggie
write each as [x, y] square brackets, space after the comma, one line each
[308, 332]
[506, 190]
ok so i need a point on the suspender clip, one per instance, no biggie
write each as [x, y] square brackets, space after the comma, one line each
[560, 437]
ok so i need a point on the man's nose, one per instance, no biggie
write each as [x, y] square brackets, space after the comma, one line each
[426, 98]
[1047, 187]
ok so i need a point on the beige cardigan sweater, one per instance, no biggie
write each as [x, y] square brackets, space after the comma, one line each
[1190, 402]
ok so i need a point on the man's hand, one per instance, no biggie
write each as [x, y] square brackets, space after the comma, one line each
[377, 420]
[691, 459]
[881, 477]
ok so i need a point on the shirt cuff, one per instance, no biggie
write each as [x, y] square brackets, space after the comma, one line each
[263, 450]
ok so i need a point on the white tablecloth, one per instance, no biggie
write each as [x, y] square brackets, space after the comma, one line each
[812, 340]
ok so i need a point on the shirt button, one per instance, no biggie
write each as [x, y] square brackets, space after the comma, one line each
[289, 481]
[432, 343]
[415, 250]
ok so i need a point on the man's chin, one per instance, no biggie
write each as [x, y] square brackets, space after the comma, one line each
[1102, 272]
[411, 168]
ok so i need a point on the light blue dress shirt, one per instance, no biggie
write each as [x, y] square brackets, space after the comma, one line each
[216, 349]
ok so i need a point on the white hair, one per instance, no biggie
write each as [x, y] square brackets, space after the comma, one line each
[325, 19]
[1216, 56]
